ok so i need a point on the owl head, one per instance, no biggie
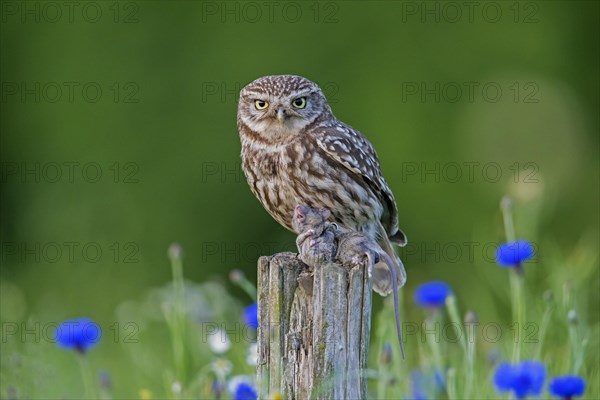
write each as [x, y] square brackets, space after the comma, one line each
[278, 106]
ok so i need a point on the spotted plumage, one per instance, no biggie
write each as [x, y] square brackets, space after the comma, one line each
[294, 151]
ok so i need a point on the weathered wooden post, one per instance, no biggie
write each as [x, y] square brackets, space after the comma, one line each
[313, 329]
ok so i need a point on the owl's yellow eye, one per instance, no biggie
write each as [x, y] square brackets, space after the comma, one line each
[300, 102]
[261, 104]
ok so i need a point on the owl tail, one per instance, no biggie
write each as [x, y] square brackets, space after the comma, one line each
[382, 278]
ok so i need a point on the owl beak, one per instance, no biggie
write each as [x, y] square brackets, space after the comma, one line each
[281, 114]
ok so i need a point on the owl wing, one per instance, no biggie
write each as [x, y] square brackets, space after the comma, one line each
[352, 150]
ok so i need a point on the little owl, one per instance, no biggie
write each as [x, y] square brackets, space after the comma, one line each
[295, 151]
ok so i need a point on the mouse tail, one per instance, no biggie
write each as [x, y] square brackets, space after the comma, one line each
[382, 277]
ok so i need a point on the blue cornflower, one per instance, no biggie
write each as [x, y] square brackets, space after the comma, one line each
[78, 334]
[251, 315]
[440, 379]
[567, 386]
[386, 354]
[513, 253]
[432, 294]
[503, 377]
[217, 388]
[244, 391]
[417, 385]
[523, 379]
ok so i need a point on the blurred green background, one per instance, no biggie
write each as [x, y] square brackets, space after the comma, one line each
[138, 101]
